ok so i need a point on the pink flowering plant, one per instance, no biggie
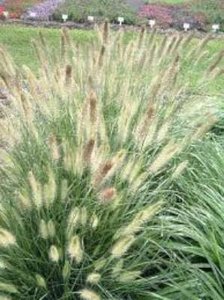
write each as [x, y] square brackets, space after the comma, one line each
[17, 7]
[171, 15]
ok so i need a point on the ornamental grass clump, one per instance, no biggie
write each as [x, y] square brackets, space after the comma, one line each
[88, 150]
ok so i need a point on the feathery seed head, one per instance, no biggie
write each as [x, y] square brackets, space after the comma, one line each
[87, 151]
[75, 249]
[2, 297]
[43, 229]
[36, 190]
[9, 288]
[117, 269]
[66, 270]
[138, 182]
[105, 32]
[108, 168]
[93, 278]
[122, 245]
[140, 219]
[128, 276]
[100, 264]
[179, 169]
[94, 221]
[216, 62]
[24, 200]
[54, 254]
[74, 218]
[107, 195]
[3, 264]
[141, 36]
[163, 132]
[92, 107]
[68, 75]
[87, 294]
[50, 189]
[54, 147]
[83, 216]
[7, 239]
[102, 172]
[165, 155]
[204, 128]
[64, 189]
[51, 229]
[40, 281]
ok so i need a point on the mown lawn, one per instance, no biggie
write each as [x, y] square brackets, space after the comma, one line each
[18, 41]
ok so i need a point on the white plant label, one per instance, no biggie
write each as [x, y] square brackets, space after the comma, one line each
[64, 17]
[215, 27]
[120, 20]
[33, 14]
[90, 18]
[152, 23]
[186, 26]
[5, 14]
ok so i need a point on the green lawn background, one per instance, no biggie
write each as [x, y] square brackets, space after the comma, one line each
[18, 41]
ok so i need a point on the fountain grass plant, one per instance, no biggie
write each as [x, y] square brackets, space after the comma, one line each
[88, 149]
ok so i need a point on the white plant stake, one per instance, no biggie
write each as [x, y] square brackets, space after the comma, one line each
[120, 20]
[152, 23]
[186, 26]
[215, 27]
[90, 19]
[64, 17]
[5, 14]
[33, 15]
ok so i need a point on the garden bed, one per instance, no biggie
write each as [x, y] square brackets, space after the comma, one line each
[89, 26]
[200, 14]
[16, 7]
[79, 10]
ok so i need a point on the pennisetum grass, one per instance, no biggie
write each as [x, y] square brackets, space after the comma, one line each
[92, 138]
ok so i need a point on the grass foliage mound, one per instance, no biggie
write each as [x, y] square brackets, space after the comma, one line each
[90, 148]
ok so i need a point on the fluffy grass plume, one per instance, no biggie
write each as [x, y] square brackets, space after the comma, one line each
[89, 146]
